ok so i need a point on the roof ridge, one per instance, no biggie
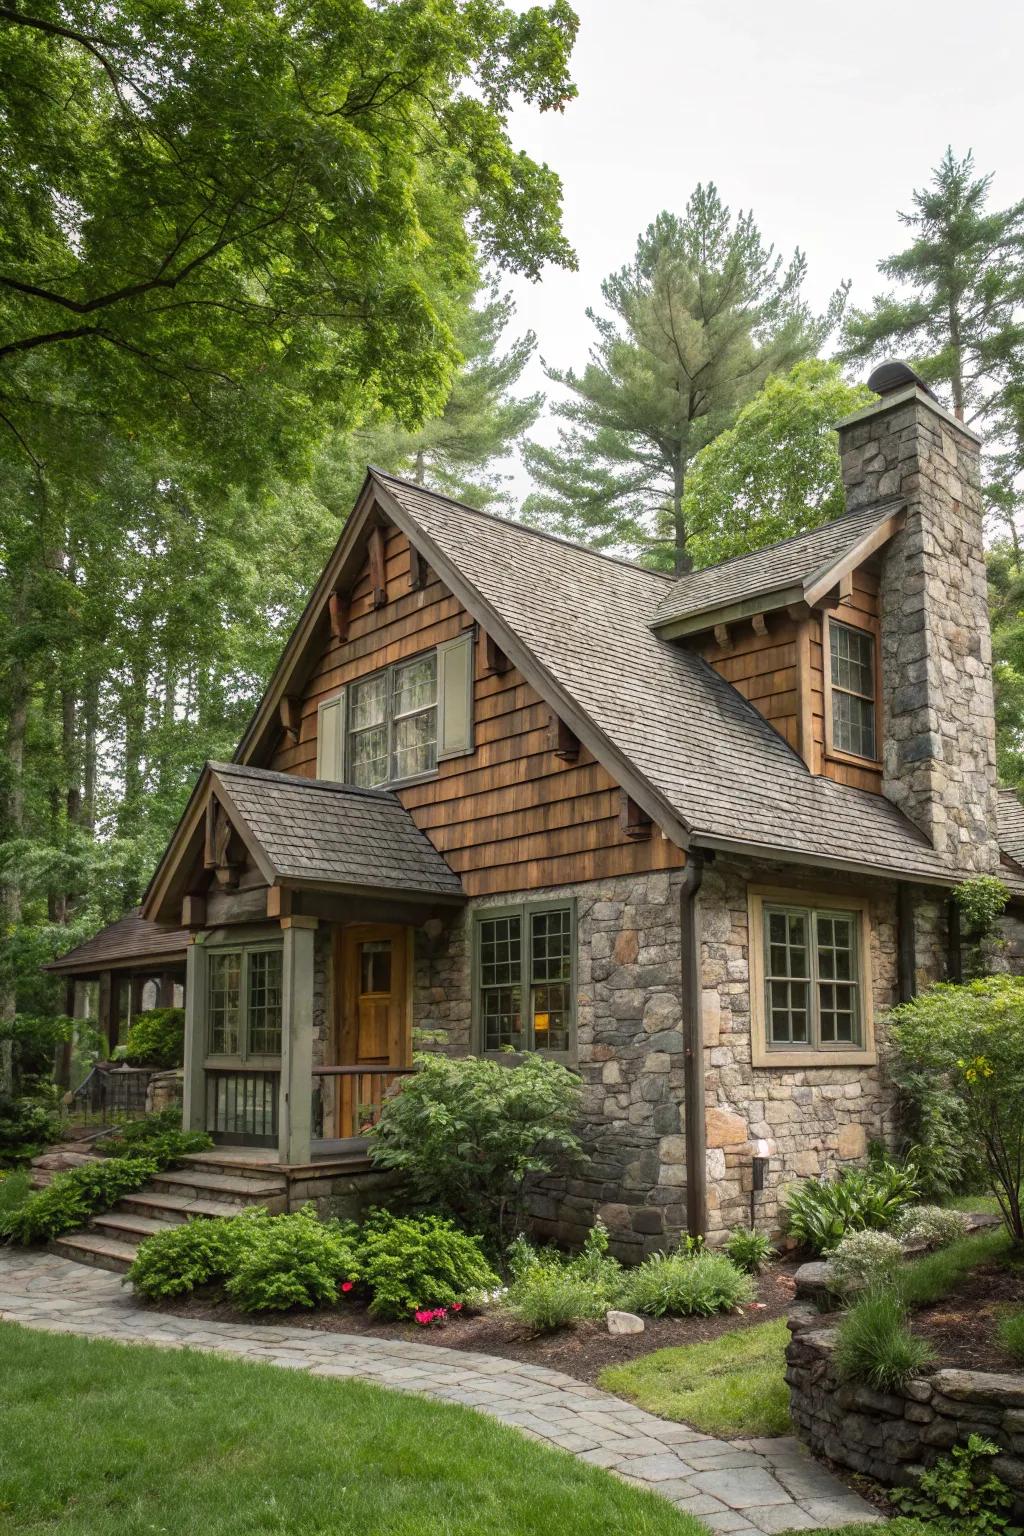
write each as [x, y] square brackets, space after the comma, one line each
[514, 522]
[808, 533]
[298, 779]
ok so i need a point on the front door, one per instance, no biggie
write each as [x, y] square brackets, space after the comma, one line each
[374, 1035]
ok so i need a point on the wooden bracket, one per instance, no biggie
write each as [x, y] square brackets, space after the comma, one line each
[279, 901]
[562, 741]
[337, 607]
[495, 660]
[723, 639]
[417, 569]
[377, 577]
[217, 845]
[193, 912]
[633, 820]
[846, 587]
[291, 715]
[760, 624]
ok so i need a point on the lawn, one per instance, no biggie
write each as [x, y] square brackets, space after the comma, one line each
[731, 1386]
[122, 1440]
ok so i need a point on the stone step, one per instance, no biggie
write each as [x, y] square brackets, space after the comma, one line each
[128, 1227]
[227, 1162]
[200, 1185]
[94, 1248]
[172, 1209]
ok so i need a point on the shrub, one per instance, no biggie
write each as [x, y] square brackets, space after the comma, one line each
[466, 1134]
[15, 1188]
[875, 1346]
[26, 1128]
[410, 1263]
[957, 1495]
[1011, 1335]
[191, 1255]
[819, 1212]
[163, 1147]
[931, 1278]
[550, 1296]
[865, 1259]
[72, 1197]
[972, 1038]
[156, 1038]
[749, 1250]
[932, 1224]
[679, 1285]
[292, 1261]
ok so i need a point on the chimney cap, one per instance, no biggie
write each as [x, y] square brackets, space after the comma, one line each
[891, 376]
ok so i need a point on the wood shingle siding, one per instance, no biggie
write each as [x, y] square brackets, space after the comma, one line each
[512, 815]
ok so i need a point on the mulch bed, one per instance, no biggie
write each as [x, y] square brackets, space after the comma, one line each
[583, 1351]
[963, 1328]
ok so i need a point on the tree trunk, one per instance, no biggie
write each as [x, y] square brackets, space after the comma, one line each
[90, 731]
[13, 827]
[419, 468]
[957, 378]
[683, 559]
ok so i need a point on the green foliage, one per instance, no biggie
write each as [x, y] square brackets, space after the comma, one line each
[32, 1041]
[934, 1121]
[934, 1276]
[292, 1261]
[875, 1347]
[775, 473]
[819, 1212]
[960, 1494]
[165, 1147]
[676, 1285]
[972, 1038]
[71, 1198]
[15, 1188]
[466, 1133]
[156, 1038]
[749, 1250]
[413, 1262]
[1011, 1335]
[1006, 610]
[548, 1290]
[26, 1128]
[191, 1255]
[698, 320]
[936, 1225]
[864, 1259]
[982, 900]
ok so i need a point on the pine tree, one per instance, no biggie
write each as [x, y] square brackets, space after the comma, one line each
[701, 316]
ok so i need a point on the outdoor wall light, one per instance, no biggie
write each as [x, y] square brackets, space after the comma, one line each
[760, 1166]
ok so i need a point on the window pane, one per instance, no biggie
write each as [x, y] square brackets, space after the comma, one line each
[551, 945]
[502, 1021]
[369, 761]
[368, 703]
[852, 661]
[375, 966]
[416, 744]
[225, 1001]
[853, 724]
[265, 1002]
[551, 1017]
[415, 685]
[838, 993]
[500, 951]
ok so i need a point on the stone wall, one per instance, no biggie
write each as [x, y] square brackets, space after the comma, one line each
[892, 1436]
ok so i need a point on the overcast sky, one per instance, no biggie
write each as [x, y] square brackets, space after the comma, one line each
[821, 117]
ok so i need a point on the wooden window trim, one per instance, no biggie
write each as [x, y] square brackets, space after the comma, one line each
[243, 1057]
[825, 1056]
[869, 627]
[524, 910]
[390, 718]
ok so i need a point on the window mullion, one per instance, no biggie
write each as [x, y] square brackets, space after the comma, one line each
[815, 999]
[243, 1005]
[526, 975]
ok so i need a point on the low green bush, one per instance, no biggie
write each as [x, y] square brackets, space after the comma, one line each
[163, 1147]
[410, 1263]
[749, 1250]
[820, 1212]
[959, 1493]
[875, 1347]
[550, 1296]
[679, 1285]
[192, 1255]
[71, 1198]
[936, 1225]
[1011, 1335]
[865, 1259]
[156, 1038]
[293, 1261]
[26, 1129]
[15, 1188]
[931, 1278]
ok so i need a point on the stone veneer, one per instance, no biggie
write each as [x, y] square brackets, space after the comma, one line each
[938, 738]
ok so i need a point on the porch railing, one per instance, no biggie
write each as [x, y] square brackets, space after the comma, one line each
[361, 1091]
[242, 1105]
[112, 1093]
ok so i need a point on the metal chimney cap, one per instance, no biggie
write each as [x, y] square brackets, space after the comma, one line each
[889, 377]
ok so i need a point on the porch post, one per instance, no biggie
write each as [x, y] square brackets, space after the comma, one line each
[193, 1114]
[295, 1120]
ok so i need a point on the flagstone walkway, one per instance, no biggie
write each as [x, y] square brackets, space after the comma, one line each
[746, 1488]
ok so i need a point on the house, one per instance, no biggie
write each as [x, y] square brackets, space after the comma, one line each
[692, 837]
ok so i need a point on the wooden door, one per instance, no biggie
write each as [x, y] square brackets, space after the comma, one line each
[375, 1033]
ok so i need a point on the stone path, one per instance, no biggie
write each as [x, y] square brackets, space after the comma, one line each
[746, 1488]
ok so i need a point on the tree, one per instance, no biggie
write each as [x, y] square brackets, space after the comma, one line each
[1006, 608]
[776, 472]
[698, 320]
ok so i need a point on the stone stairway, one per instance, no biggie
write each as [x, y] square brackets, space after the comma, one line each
[205, 1185]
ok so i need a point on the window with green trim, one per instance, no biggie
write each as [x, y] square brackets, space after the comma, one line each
[244, 1001]
[524, 966]
[812, 978]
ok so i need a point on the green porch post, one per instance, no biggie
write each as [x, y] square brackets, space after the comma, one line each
[295, 1125]
[193, 1114]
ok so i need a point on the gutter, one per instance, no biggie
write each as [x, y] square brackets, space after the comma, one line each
[693, 1044]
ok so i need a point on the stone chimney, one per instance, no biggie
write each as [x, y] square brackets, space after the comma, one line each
[937, 718]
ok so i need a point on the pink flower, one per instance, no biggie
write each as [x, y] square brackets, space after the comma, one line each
[347, 1285]
[424, 1317]
[456, 1306]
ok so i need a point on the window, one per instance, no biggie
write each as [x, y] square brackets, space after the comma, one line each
[810, 982]
[392, 723]
[525, 965]
[244, 1002]
[852, 676]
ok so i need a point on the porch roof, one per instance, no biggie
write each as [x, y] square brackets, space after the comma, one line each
[132, 943]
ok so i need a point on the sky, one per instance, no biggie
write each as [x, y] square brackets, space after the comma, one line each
[820, 117]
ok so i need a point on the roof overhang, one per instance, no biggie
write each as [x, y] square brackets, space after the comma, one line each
[782, 855]
[165, 960]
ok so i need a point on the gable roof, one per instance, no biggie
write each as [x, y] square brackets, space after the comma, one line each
[784, 572]
[1010, 818]
[130, 941]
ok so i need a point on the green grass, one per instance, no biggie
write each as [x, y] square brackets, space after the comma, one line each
[107, 1439]
[731, 1386]
[933, 1277]
[15, 1188]
[982, 1203]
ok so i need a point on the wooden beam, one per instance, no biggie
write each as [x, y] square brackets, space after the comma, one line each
[633, 821]
[495, 660]
[723, 639]
[804, 694]
[193, 912]
[760, 624]
[846, 586]
[562, 741]
[417, 569]
[377, 577]
[337, 607]
[815, 590]
[291, 715]
[279, 901]
[798, 611]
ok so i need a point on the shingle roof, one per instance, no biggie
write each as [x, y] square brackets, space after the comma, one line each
[1011, 824]
[333, 834]
[776, 568]
[713, 761]
[131, 938]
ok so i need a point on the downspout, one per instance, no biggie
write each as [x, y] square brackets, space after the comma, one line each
[693, 1044]
[906, 948]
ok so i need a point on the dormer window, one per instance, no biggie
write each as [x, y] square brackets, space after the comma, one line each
[852, 688]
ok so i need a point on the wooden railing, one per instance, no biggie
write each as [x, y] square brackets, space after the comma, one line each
[360, 1093]
[243, 1105]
